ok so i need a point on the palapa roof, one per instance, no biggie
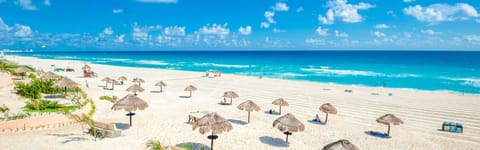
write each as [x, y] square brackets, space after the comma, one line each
[106, 79]
[135, 88]
[289, 123]
[340, 145]
[388, 119]
[65, 82]
[230, 94]
[122, 78]
[22, 69]
[249, 106]
[212, 123]
[160, 83]
[112, 81]
[280, 101]
[130, 103]
[139, 80]
[190, 88]
[328, 108]
[50, 75]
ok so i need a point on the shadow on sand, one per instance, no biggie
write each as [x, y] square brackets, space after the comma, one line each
[278, 142]
[239, 122]
[71, 137]
[155, 92]
[378, 134]
[184, 96]
[194, 146]
[122, 126]
[316, 122]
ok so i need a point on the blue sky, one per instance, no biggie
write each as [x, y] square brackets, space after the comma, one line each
[237, 25]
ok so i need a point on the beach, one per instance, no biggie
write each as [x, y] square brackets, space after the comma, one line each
[165, 119]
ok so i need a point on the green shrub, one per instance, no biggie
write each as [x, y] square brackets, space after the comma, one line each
[155, 145]
[41, 104]
[108, 98]
[33, 89]
[32, 76]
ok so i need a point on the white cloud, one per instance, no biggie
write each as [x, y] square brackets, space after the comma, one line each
[382, 26]
[174, 31]
[275, 30]
[245, 30]
[408, 1]
[157, 1]
[269, 16]
[120, 38]
[391, 13]
[431, 32]
[300, 9]
[108, 31]
[117, 11]
[379, 34]
[442, 12]
[215, 29]
[139, 34]
[321, 31]
[472, 38]
[344, 12]
[22, 31]
[26, 4]
[314, 41]
[264, 25]
[341, 34]
[3, 26]
[47, 3]
[280, 7]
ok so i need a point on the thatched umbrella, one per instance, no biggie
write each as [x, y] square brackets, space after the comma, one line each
[190, 88]
[161, 84]
[113, 82]
[22, 70]
[121, 79]
[130, 103]
[328, 108]
[340, 145]
[213, 123]
[65, 83]
[231, 95]
[86, 67]
[288, 124]
[388, 119]
[106, 80]
[50, 75]
[280, 102]
[135, 88]
[249, 106]
[139, 81]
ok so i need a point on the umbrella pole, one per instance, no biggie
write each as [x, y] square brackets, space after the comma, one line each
[211, 144]
[280, 112]
[113, 86]
[190, 93]
[130, 119]
[161, 90]
[388, 132]
[135, 93]
[65, 91]
[231, 101]
[286, 139]
[23, 74]
[326, 118]
[248, 117]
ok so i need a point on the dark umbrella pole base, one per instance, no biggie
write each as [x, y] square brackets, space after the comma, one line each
[212, 137]
[130, 114]
[287, 133]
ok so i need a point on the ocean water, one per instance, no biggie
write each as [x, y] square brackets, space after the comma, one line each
[422, 70]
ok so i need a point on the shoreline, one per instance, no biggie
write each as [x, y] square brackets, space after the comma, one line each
[295, 80]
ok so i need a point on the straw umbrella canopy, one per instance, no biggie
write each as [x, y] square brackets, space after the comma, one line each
[231, 95]
[106, 80]
[135, 88]
[130, 103]
[214, 124]
[280, 102]
[190, 88]
[161, 84]
[65, 82]
[50, 75]
[328, 108]
[340, 145]
[121, 79]
[288, 124]
[22, 70]
[86, 67]
[113, 82]
[388, 119]
[139, 81]
[249, 106]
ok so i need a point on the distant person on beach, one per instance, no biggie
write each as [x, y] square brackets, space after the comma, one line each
[86, 83]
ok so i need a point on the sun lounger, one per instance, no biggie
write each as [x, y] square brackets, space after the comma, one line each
[108, 130]
[452, 127]
[348, 91]
[58, 69]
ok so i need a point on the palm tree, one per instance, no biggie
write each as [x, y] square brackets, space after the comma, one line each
[155, 145]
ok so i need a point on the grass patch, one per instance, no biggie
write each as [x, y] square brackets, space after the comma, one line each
[108, 98]
[50, 110]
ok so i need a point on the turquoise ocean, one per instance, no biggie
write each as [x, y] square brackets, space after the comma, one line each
[457, 71]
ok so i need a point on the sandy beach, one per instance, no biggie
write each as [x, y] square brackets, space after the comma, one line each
[166, 118]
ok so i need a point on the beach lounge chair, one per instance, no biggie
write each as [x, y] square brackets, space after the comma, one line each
[452, 127]
[70, 69]
[107, 130]
[58, 69]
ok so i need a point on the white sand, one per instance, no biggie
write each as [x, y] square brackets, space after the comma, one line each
[165, 118]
